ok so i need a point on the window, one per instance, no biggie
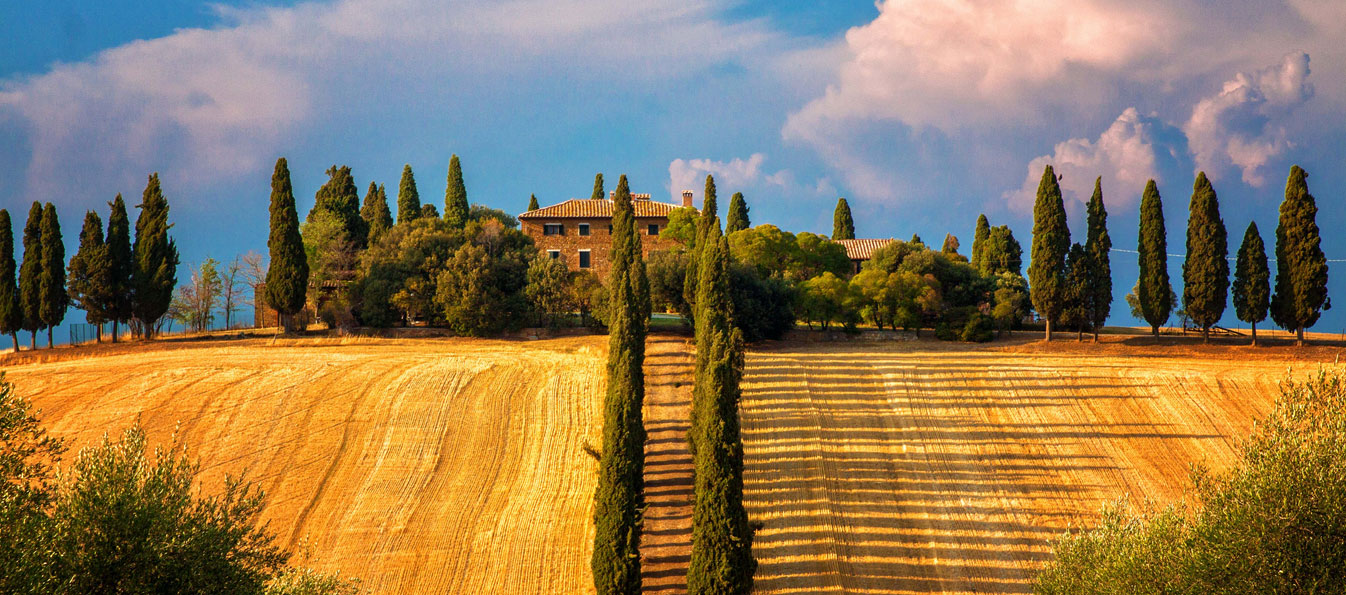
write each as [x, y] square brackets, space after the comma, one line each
[584, 259]
[554, 254]
[654, 229]
[609, 229]
[584, 229]
[553, 229]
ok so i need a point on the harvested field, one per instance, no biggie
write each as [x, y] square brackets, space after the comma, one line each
[936, 468]
[420, 466]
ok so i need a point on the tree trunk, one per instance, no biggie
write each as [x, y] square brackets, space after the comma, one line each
[1154, 330]
[33, 339]
[1205, 335]
[1079, 333]
[99, 333]
[49, 333]
[15, 337]
[1299, 337]
[1254, 329]
[114, 331]
[1049, 329]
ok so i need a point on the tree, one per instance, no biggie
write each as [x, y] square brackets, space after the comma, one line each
[709, 213]
[824, 300]
[28, 482]
[287, 276]
[88, 273]
[950, 244]
[1205, 272]
[429, 211]
[1252, 280]
[154, 273]
[483, 212]
[30, 273]
[408, 199]
[339, 197]
[55, 298]
[549, 290]
[11, 314]
[231, 289]
[721, 559]
[1153, 290]
[120, 263]
[1001, 253]
[455, 196]
[979, 237]
[1099, 246]
[532, 202]
[375, 211]
[619, 495]
[1051, 241]
[598, 193]
[843, 226]
[682, 227]
[1075, 309]
[916, 240]
[1301, 266]
[194, 302]
[1010, 299]
[738, 214]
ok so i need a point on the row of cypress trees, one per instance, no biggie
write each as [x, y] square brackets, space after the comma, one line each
[110, 278]
[1069, 279]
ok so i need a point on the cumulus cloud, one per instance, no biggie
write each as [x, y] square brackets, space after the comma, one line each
[1133, 150]
[1241, 125]
[733, 175]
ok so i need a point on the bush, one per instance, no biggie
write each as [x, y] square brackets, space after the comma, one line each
[1275, 523]
[980, 328]
[763, 307]
[944, 332]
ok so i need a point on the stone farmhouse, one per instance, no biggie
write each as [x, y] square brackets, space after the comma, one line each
[578, 231]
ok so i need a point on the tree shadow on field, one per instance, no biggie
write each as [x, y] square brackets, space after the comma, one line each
[888, 471]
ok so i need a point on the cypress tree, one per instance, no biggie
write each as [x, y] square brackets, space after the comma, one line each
[287, 277]
[455, 196]
[11, 315]
[916, 240]
[951, 244]
[598, 188]
[532, 202]
[408, 199]
[709, 214]
[1075, 308]
[619, 495]
[340, 198]
[738, 214]
[979, 237]
[55, 298]
[1051, 241]
[1153, 290]
[154, 271]
[30, 273]
[843, 226]
[1252, 287]
[378, 218]
[1301, 266]
[120, 263]
[721, 560]
[89, 273]
[1205, 272]
[428, 211]
[1099, 246]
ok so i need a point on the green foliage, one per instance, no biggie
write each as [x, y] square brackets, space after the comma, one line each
[1075, 310]
[1252, 280]
[1051, 241]
[120, 263]
[783, 255]
[843, 225]
[598, 193]
[28, 457]
[1001, 253]
[549, 290]
[667, 270]
[1271, 524]
[982, 233]
[55, 298]
[375, 211]
[1010, 299]
[1099, 247]
[532, 202]
[11, 315]
[154, 273]
[619, 496]
[888, 298]
[1205, 273]
[480, 291]
[287, 276]
[483, 212]
[763, 306]
[709, 213]
[408, 198]
[340, 198]
[398, 275]
[979, 328]
[89, 271]
[737, 218]
[456, 210]
[30, 272]
[1301, 266]
[950, 246]
[683, 225]
[824, 300]
[1153, 291]
[429, 210]
[916, 240]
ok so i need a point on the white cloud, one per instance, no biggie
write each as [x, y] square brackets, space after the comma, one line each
[1241, 125]
[733, 175]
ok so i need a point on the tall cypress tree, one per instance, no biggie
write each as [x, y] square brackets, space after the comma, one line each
[619, 495]
[408, 199]
[709, 214]
[154, 271]
[88, 273]
[1153, 290]
[55, 298]
[378, 218]
[1051, 241]
[1205, 272]
[1301, 266]
[1076, 303]
[340, 197]
[11, 315]
[979, 237]
[120, 263]
[30, 273]
[843, 225]
[287, 277]
[738, 214]
[532, 202]
[598, 192]
[721, 560]
[1099, 246]
[455, 196]
[1252, 280]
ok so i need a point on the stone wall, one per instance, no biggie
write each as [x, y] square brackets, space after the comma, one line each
[598, 242]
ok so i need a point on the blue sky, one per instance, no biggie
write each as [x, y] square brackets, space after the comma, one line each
[921, 112]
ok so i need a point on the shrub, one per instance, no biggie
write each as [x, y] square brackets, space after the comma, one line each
[980, 328]
[763, 306]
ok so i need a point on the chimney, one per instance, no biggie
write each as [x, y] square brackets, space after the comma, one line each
[612, 195]
[686, 198]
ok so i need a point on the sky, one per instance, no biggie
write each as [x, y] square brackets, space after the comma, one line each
[922, 113]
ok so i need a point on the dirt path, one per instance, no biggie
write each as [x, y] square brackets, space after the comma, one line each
[666, 543]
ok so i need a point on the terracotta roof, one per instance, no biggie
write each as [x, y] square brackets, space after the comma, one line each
[589, 208]
[863, 249]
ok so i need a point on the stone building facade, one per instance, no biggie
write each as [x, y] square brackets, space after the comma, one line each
[578, 231]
